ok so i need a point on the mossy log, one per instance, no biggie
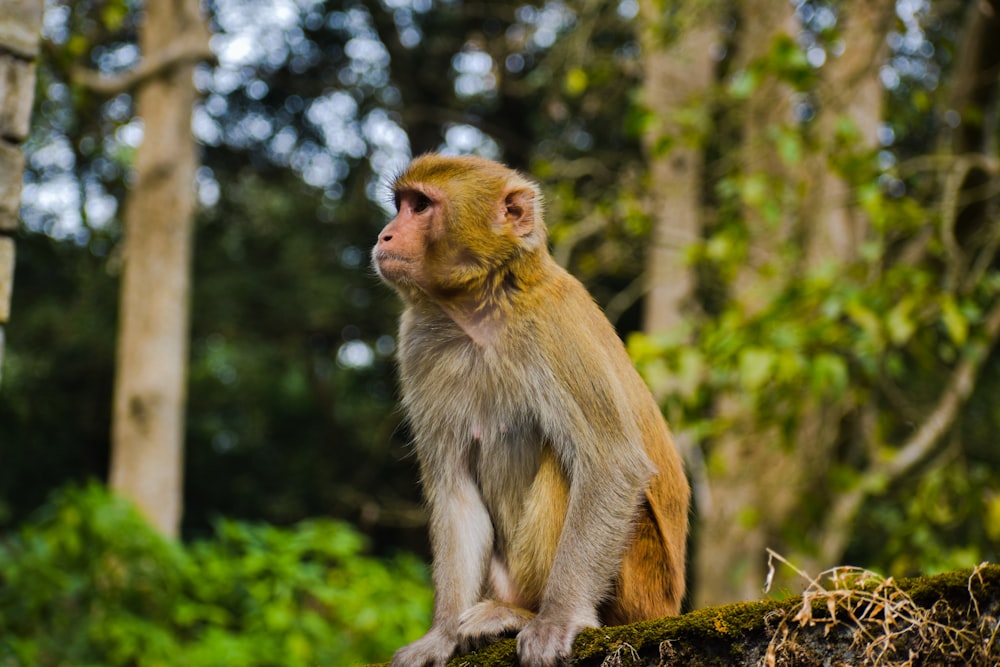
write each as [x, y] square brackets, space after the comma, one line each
[848, 617]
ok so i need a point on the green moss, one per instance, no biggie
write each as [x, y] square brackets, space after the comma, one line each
[501, 654]
[952, 586]
[717, 631]
[732, 633]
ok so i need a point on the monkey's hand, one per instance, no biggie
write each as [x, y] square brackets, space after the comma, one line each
[432, 650]
[548, 642]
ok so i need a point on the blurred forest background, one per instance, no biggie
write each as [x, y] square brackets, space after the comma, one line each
[790, 210]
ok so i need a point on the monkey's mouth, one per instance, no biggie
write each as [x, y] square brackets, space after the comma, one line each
[382, 255]
[391, 266]
[383, 258]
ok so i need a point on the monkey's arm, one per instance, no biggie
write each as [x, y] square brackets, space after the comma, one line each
[461, 540]
[606, 483]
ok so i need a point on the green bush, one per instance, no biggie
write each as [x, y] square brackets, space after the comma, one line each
[88, 582]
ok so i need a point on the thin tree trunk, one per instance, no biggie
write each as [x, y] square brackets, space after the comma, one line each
[851, 89]
[18, 52]
[151, 373]
[754, 481]
[678, 72]
[968, 228]
[766, 113]
[973, 93]
[974, 101]
[757, 484]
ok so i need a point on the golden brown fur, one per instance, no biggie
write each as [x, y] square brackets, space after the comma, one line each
[557, 498]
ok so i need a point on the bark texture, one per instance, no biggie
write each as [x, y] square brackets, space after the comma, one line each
[20, 21]
[758, 485]
[732, 535]
[851, 91]
[679, 69]
[151, 372]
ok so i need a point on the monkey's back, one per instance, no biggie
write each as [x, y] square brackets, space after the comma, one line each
[660, 532]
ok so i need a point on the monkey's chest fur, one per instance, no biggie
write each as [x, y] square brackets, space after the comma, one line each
[486, 412]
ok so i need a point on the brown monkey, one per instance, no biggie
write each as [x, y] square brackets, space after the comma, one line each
[558, 501]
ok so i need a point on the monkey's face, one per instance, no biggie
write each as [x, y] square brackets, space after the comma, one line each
[398, 256]
[458, 221]
[439, 245]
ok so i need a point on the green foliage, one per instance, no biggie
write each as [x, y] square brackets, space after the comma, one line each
[88, 582]
[951, 517]
[858, 350]
[829, 333]
[279, 427]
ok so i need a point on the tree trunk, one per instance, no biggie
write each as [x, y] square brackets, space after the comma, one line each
[974, 102]
[678, 72]
[974, 92]
[151, 372]
[757, 483]
[766, 113]
[729, 552]
[21, 22]
[851, 90]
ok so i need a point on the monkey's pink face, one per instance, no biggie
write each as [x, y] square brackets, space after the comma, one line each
[442, 240]
[399, 254]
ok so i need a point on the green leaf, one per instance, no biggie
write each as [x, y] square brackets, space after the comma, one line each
[954, 321]
[663, 145]
[690, 373]
[754, 190]
[992, 522]
[790, 148]
[658, 376]
[576, 82]
[642, 348]
[742, 84]
[756, 366]
[899, 324]
[866, 319]
[718, 248]
[113, 14]
[829, 374]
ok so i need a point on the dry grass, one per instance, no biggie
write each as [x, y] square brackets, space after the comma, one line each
[618, 657]
[887, 628]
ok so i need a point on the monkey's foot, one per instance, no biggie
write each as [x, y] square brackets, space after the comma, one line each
[489, 620]
[431, 650]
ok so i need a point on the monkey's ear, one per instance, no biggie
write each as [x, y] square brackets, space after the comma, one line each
[519, 211]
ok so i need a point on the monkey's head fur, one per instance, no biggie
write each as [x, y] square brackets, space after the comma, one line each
[464, 228]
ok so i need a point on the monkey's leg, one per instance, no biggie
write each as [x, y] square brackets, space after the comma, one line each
[489, 620]
[649, 584]
[461, 535]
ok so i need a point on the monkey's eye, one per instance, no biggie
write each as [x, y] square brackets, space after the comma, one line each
[421, 203]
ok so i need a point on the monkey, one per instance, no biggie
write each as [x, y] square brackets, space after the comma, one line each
[557, 498]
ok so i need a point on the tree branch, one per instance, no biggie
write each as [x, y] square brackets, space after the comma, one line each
[960, 386]
[917, 449]
[192, 49]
